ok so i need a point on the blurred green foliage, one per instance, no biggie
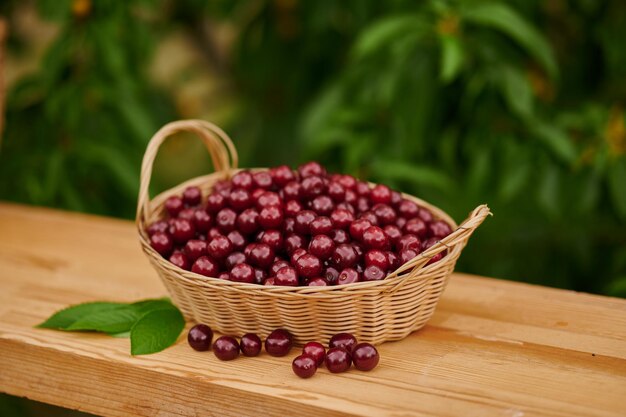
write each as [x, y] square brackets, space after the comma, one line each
[517, 103]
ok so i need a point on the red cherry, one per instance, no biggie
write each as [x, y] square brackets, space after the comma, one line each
[378, 258]
[294, 241]
[271, 217]
[317, 282]
[174, 205]
[262, 179]
[341, 218]
[331, 274]
[202, 220]
[278, 343]
[259, 276]
[286, 276]
[268, 198]
[365, 357]
[347, 276]
[316, 351]
[159, 226]
[416, 226]
[303, 221]
[224, 275]
[242, 179]
[192, 196]
[308, 266]
[362, 189]
[225, 220]
[406, 255]
[312, 186]
[347, 181]
[425, 214]
[336, 191]
[362, 204]
[248, 221]
[257, 193]
[205, 266]
[239, 199]
[408, 209]
[311, 168]
[273, 238]
[162, 243]
[296, 254]
[233, 259]
[357, 228]
[186, 213]
[292, 207]
[180, 260]
[384, 213]
[340, 236]
[304, 366]
[373, 273]
[261, 255]
[396, 198]
[322, 246]
[226, 348]
[291, 191]
[215, 202]
[242, 273]
[344, 256]
[321, 225]
[322, 205]
[220, 247]
[182, 230]
[439, 229]
[351, 198]
[338, 360]
[411, 242]
[281, 175]
[393, 232]
[250, 344]
[213, 232]
[369, 216]
[375, 238]
[195, 248]
[277, 265]
[380, 194]
[288, 225]
[342, 340]
[236, 238]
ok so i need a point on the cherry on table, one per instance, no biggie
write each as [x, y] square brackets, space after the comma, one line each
[365, 357]
[316, 350]
[200, 337]
[226, 348]
[304, 366]
[338, 360]
[250, 344]
[343, 340]
[278, 343]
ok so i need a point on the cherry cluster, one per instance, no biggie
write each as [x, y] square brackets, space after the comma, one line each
[343, 350]
[290, 228]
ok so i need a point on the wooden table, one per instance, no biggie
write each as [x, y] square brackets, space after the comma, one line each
[493, 348]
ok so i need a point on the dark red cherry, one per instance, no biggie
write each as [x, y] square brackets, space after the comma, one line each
[365, 357]
[159, 226]
[316, 350]
[236, 238]
[370, 216]
[380, 194]
[224, 275]
[321, 225]
[239, 199]
[425, 214]
[182, 230]
[174, 205]
[303, 221]
[393, 232]
[417, 227]
[226, 348]
[162, 243]
[373, 273]
[259, 276]
[288, 225]
[205, 266]
[242, 273]
[378, 258]
[292, 191]
[312, 186]
[250, 344]
[213, 233]
[346, 206]
[362, 188]
[262, 179]
[406, 255]
[268, 198]
[384, 213]
[271, 217]
[281, 175]
[186, 213]
[411, 242]
[294, 241]
[439, 229]
[219, 247]
[347, 276]
[322, 246]
[393, 259]
[400, 222]
[278, 343]
[375, 238]
[192, 196]
[342, 340]
[195, 248]
[277, 265]
[180, 260]
[341, 218]
[317, 282]
[352, 198]
[248, 221]
[308, 266]
[310, 169]
[338, 360]
[336, 191]
[340, 236]
[215, 202]
[344, 256]
[225, 220]
[347, 181]
[261, 255]
[257, 193]
[331, 274]
[304, 366]
[322, 205]
[202, 220]
[296, 254]
[233, 259]
[286, 276]
[273, 238]
[357, 228]
[396, 198]
[200, 337]
[408, 209]
[292, 207]
[242, 179]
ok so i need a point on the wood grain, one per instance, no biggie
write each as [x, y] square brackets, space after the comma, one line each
[493, 348]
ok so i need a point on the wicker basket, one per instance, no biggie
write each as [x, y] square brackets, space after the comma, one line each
[374, 312]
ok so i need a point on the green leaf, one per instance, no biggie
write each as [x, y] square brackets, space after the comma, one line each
[517, 91]
[66, 317]
[452, 57]
[501, 17]
[617, 185]
[555, 139]
[117, 320]
[156, 331]
[121, 335]
[420, 175]
[146, 306]
[384, 31]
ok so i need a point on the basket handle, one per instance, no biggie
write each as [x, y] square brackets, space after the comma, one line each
[459, 236]
[223, 153]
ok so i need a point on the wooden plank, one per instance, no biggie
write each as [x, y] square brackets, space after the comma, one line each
[493, 348]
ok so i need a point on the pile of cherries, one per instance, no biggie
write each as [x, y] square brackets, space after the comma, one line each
[285, 227]
[343, 350]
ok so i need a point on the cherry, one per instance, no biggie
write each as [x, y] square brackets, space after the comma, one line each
[331, 274]
[304, 366]
[281, 175]
[338, 360]
[357, 228]
[236, 238]
[192, 196]
[242, 273]
[202, 220]
[288, 225]
[180, 260]
[268, 198]
[292, 207]
[394, 261]
[259, 276]
[278, 343]
[351, 198]
[271, 217]
[400, 222]
[303, 221]
[340, 236]
[373, 273]
[292, 191]
[200, 337]
[273, 238]
[322, 205]
[219, 247]
[322, 246]
[317, 282]
[310, 169]
[248, 221]
[186, 213]
[341, 218]
[215, 202]
[406, 255]
[439, 229]
[174, 205]
[262, 179]
[224, 275]
[378, 258]
[195, 248]
[257, 193]
[308, 266]
[162, 243]
[408, 209]
[393, 232]
[344, 256]
[385, 214]
[362, 189]
[293, 242]
[261, 255]
[205, 266]
[286, 276]
[409, 242]
[417, 227]
[181, 230]
[396, 198]
[226, 348]
[348, 276]
[312, 186]
[159, 226]
[380, 194]
[346, 206]
[316, 351]
[233, 259]
[425, 214]
[347, 181]
[370, 216]
[242, 179]
[225, 220]
[277, 265]
[375, 238]
[213, 233]
[342, 340]
[365, 357]
[321, 225]
[250, 344]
